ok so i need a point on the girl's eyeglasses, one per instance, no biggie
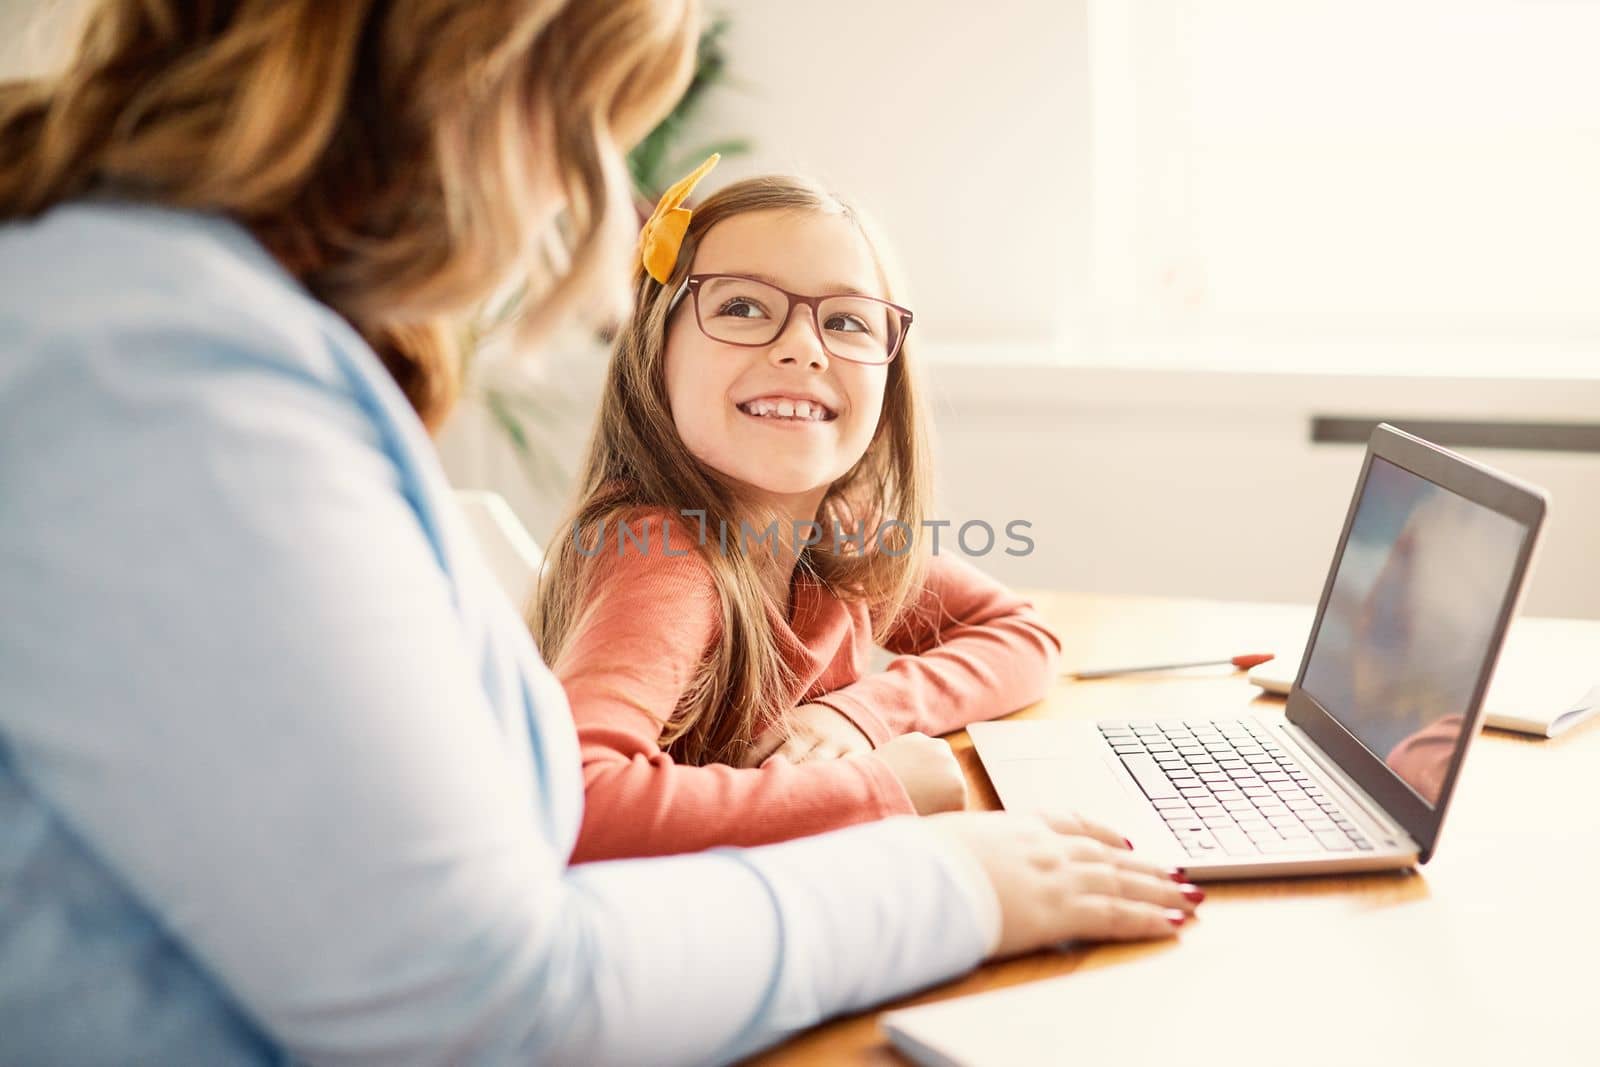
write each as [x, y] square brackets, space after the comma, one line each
[738, 310]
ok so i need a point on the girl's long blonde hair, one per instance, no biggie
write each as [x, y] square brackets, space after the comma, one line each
[637, 463]
[399, 157]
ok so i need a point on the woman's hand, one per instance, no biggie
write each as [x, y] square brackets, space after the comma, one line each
[812, 731]
[1062, 878]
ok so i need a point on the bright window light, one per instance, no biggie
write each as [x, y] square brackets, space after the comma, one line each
[1413, 184]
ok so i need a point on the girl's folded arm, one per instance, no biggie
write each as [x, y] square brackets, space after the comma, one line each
[968, 649]
[644, 632]
[647, 805]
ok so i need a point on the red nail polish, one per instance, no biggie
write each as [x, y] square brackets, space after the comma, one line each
[1178, 874]
[1177, 918]
[1193, 893]
[1127, 844]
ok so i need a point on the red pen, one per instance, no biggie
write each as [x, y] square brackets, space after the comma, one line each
[1243, 663]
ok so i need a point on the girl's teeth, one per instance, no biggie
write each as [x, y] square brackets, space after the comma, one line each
[787, 409]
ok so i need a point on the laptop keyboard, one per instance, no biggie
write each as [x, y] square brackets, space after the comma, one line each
[1226, 788]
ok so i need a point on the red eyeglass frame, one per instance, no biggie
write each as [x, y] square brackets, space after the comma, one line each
[692, 283]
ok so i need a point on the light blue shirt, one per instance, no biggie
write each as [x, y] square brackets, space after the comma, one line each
[282, 775]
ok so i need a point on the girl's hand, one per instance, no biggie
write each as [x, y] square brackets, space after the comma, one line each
[928, 770]
[812, 731]
[1062, 878]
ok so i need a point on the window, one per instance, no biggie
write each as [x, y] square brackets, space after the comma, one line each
[1354, 185]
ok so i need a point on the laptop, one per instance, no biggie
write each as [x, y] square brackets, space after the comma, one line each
[1427, 575]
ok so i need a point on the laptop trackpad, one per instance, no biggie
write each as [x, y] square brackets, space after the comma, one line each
[1071, 771]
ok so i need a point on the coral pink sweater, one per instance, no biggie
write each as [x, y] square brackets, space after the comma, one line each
[968, 650]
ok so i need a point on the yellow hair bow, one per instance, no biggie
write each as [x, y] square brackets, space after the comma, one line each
[663, 233]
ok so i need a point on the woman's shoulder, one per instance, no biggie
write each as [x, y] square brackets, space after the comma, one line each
[89, 272]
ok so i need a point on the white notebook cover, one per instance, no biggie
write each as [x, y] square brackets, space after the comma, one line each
[1364, 990]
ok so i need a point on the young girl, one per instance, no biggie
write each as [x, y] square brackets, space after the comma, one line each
[746, 530]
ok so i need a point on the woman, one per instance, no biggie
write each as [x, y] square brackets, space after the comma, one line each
[281, 773]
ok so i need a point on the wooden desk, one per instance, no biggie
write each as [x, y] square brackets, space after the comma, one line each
[1516, 879]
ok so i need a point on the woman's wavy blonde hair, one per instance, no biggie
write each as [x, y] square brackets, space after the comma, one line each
[402, 158]
[637, 463]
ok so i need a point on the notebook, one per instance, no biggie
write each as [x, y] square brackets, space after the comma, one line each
[1396, 985]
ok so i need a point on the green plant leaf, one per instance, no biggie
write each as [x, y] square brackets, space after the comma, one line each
[507, 420]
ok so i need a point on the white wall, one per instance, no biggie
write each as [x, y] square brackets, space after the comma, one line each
[961, 129]
[1197, 484]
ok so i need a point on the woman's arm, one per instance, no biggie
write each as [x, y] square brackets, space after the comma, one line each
[968, 649]
[245, 680]
[649, 621]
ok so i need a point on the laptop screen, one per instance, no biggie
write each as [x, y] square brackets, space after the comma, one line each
[1416, 597]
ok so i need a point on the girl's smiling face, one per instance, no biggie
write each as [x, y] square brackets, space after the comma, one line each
[729, 402]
